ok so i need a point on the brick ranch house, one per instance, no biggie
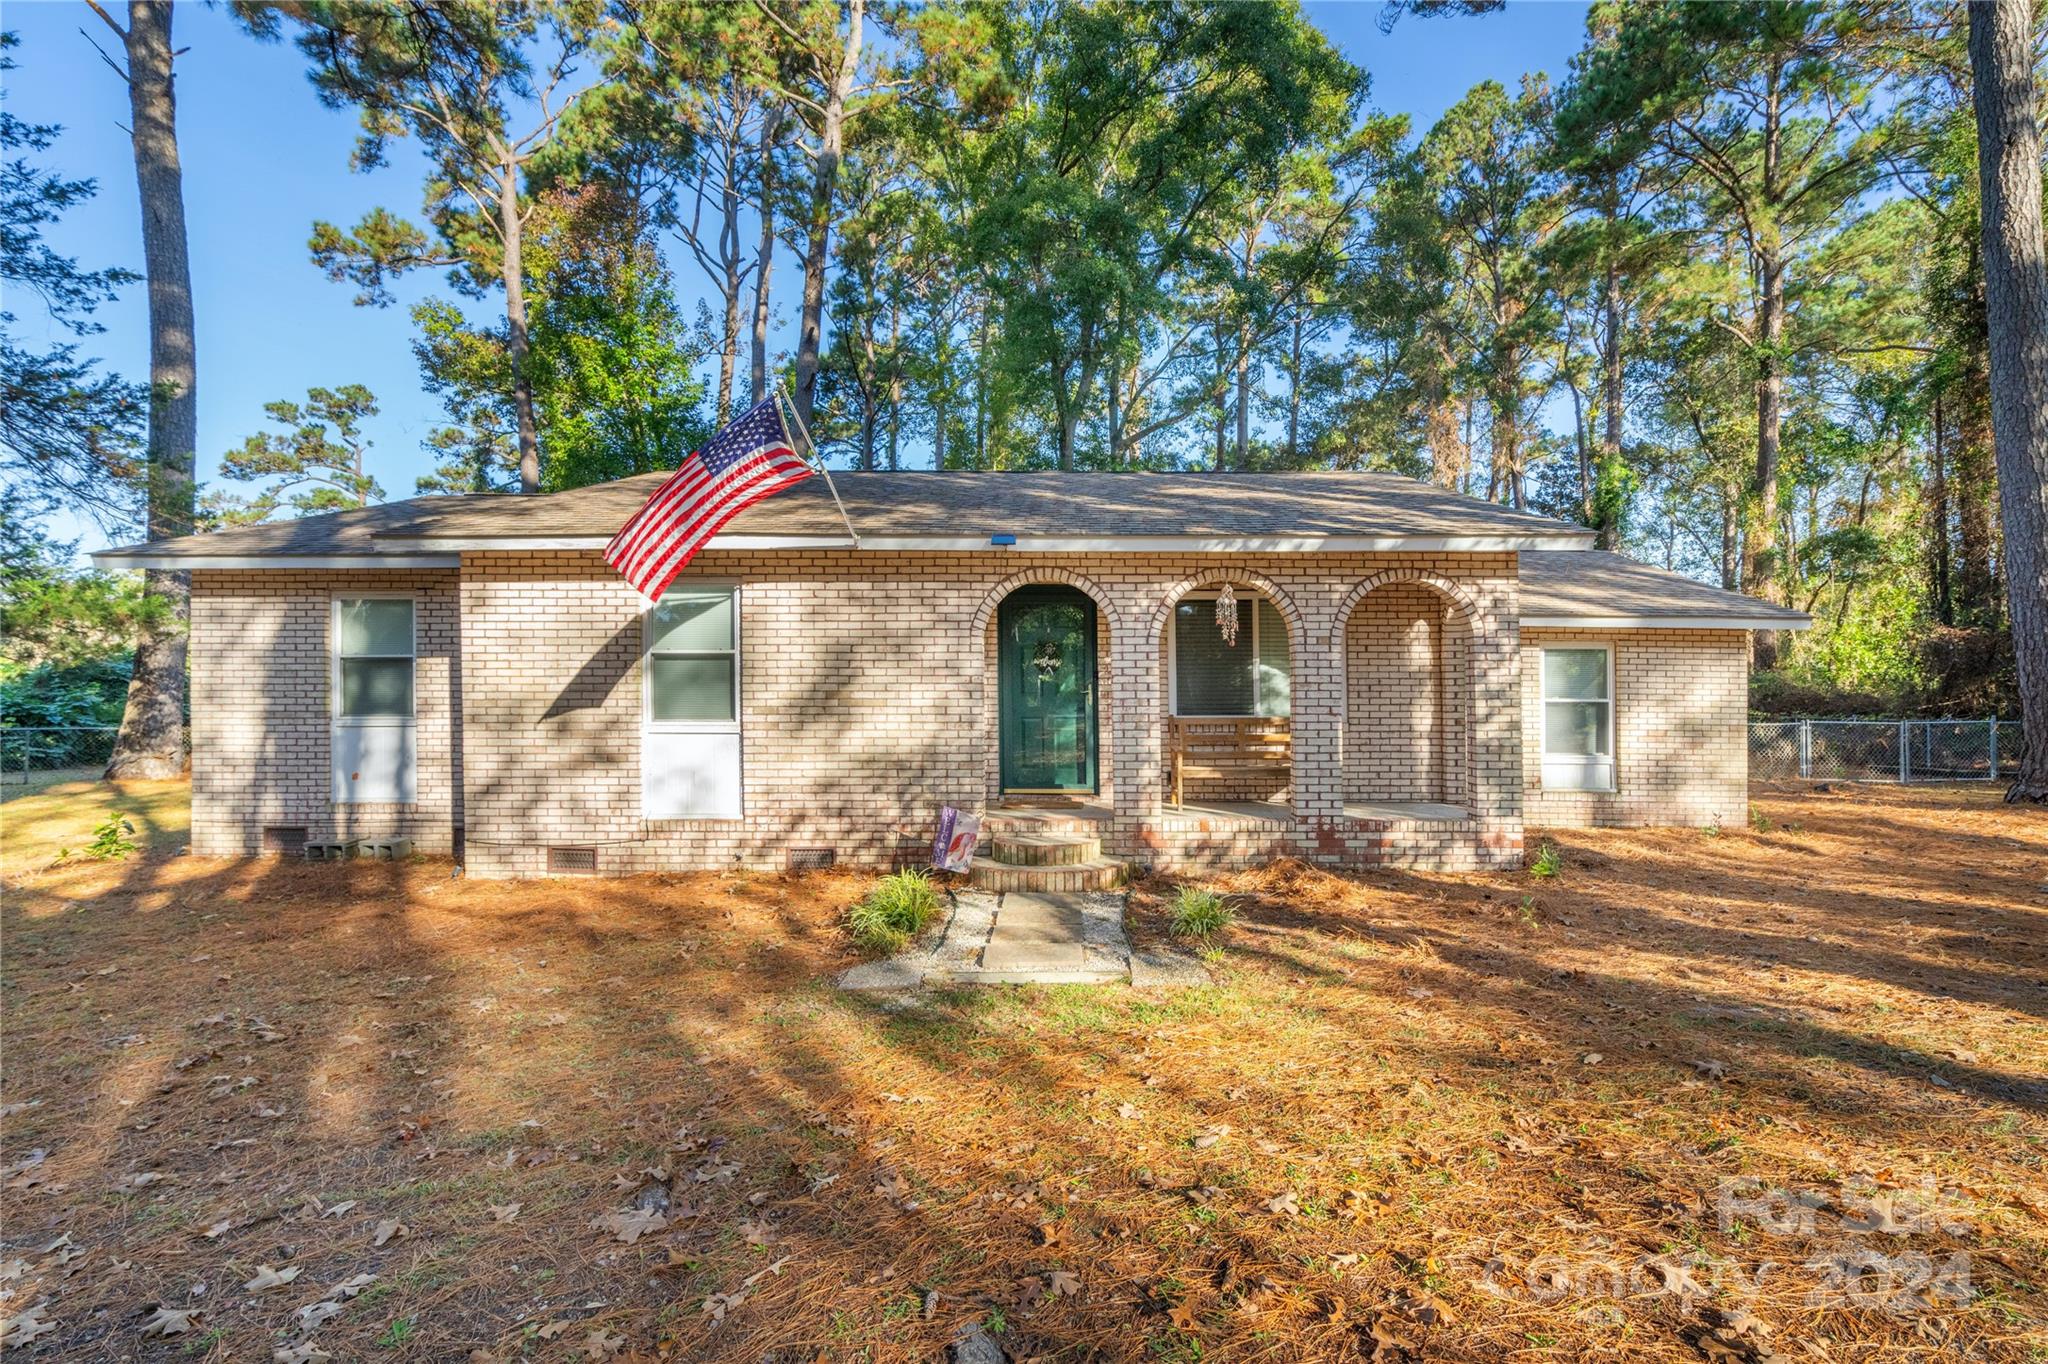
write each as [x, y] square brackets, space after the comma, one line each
[1415, 675]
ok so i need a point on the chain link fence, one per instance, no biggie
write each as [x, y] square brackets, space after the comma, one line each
[31, 754]
[1883, 750]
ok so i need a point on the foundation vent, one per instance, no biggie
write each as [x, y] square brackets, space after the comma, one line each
[811, 859]
[287, 840]
[572, 860]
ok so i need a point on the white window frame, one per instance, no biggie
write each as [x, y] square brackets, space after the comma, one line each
[1573, 771]
[338, 791]
[649, 726]
[1173, 657]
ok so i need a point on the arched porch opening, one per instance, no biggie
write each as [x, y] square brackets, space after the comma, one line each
[1408, 724]
[1229, 645]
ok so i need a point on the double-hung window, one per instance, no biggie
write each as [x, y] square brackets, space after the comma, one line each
[372, 737]
[690, 764]
[1212, 678]
[1578, 719]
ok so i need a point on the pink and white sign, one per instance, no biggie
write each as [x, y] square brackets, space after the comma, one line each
[953, 849]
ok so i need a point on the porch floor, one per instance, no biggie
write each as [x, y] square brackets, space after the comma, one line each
[1406, 811]
[1264, 811]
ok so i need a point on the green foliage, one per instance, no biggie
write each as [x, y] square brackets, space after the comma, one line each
[613, 366]
[1199, 912]
[54, 616]
[894, 912]
[468, 369]
[1547, 862]
[112, 839]
[314, 467]
[69, 434]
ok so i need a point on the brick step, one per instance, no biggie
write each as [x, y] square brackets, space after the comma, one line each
[1100, 873]
[1037, 823]
[1044, 850]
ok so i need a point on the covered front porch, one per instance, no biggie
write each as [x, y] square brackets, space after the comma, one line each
[1238, 718]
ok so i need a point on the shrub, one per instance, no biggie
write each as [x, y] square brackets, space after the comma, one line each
[113, 839]
[1547, 863]
[1200, 913]
[894, 912]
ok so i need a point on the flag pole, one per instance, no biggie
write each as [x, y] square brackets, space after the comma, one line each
[782, 397]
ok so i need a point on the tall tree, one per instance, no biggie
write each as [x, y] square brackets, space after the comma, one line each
[1772, 104]
[455, 76]
[814, 65]
[2016, 303]
[152, 738]
[314, 466]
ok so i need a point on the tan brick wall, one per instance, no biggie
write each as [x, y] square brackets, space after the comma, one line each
[1681, 753]
[1406, 721]
[865, 706]
[261, 707]
[866, 703]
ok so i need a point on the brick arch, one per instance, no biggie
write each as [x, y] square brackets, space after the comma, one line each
[984, 637]
[1236, 577]
[1458, 774]
[1039, 577]
[1445, 587]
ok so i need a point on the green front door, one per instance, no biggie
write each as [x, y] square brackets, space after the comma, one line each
[1047, 661]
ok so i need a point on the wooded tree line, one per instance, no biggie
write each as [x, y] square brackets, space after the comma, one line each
[1717, 290]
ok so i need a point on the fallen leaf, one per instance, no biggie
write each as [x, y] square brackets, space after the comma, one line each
[169, 1321]
[389, 1229]
[1713, 1070]
[504, 1212]
[266, 1277]
[25, 1325]
[305, 1352]
[1127, 1111]
[351, 1286]
[599, 1345]
[1205, 1137]
[1591, 1058]
[314, 1315]
[1062, 1284]
[632, 1224]
[220, 1229]
[339, 1209]
[13, 1269]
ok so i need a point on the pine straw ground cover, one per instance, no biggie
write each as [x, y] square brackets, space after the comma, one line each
[1771, 1091]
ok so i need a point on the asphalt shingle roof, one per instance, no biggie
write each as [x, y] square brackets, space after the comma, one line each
[1593, 583]
[973, 506]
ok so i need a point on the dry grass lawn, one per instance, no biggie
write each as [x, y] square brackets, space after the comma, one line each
[1765, 1091]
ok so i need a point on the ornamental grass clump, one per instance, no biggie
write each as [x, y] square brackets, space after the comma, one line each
[1200, 913]
[894, 912]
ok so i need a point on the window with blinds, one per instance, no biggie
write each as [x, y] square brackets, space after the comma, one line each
[1252, 677]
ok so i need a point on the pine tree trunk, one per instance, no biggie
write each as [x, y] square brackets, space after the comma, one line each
[512, 229]
[1938, 550]
[1294, 394]
[2016, 305]
[1607, 482]
[824, 182]
[152, 738]
[1973, 493]
[1760, 557]
[764, 258]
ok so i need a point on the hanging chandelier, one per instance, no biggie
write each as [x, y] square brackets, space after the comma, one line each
[1226, 616]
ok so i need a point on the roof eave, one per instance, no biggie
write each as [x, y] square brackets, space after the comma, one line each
[1702, 621]
[1042, 544]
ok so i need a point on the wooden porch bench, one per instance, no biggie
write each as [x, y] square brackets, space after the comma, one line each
[1248, 746]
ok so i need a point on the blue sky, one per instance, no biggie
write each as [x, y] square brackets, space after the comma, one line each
[263, 160]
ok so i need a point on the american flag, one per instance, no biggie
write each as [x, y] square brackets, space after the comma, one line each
[747, 461]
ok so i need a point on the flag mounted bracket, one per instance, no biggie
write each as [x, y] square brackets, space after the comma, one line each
[818, 460]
